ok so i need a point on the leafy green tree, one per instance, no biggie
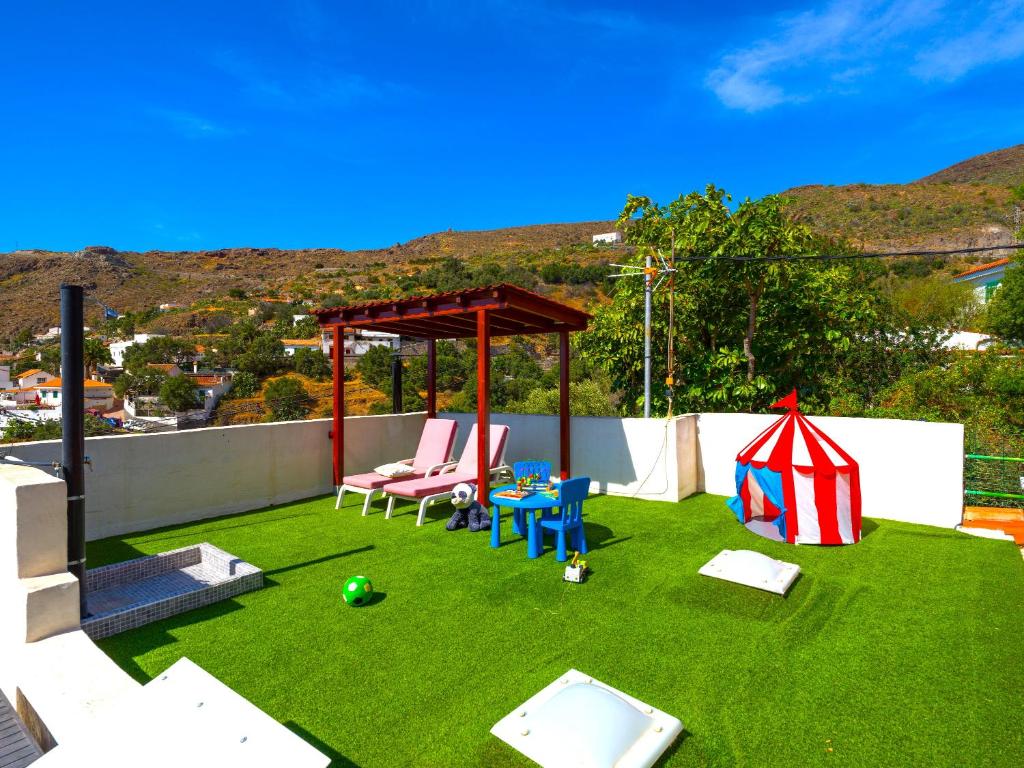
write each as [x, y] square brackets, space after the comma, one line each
[179, 394]
[264, 356]
[287, 399]
[236, 293]
[1005, 315]
[49, 360]
[306, 328]
[745, 331]
[375, 368]
[244, 384]
[312, 363]
[145, 383]
[586, 398]
[162, 350]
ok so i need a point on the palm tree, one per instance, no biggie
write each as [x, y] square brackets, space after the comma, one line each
[94, 352]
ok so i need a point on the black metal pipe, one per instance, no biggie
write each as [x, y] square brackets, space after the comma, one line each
[72, 411]
[396, 384]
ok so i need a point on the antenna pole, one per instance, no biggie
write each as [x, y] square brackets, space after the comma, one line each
[648, 291]
[669, 376]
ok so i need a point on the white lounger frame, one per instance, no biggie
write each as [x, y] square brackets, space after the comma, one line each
[371, 493]
[426, 501]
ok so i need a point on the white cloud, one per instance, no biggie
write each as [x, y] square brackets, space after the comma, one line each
[190, 124]
[999, 37]
[306, 84]
[840, 47]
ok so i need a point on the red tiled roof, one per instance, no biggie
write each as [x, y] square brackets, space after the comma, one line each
[983, 267]
[56, 384]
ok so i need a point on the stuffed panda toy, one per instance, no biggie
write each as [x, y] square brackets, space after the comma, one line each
[468, 511]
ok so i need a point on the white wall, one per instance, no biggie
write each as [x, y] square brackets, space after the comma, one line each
[909, 470]
[138, 482]
[645, 458]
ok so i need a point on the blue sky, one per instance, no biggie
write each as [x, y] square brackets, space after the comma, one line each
[193, 125]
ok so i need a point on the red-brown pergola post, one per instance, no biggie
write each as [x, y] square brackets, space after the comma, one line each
[431, 379]
[338, 415]
[564, 425]
[483, 405]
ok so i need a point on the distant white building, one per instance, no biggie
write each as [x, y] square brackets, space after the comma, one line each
[359, 343]
[609, 238]
[293, 345]
[54, 333]
[967, 340]
[117, 348]
[5, 377]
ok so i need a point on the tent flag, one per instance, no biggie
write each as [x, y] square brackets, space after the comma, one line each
[788, 402]
[795, 476]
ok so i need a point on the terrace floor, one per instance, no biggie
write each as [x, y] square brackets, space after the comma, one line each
[903, 649]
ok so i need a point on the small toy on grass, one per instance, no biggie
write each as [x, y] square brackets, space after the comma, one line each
[468, 511]
[576, 571]
[358, 591]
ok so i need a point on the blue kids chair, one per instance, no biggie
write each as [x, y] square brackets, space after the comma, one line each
[571, 495]
[534, 473]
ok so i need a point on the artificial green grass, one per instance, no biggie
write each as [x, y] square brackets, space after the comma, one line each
[901, 650]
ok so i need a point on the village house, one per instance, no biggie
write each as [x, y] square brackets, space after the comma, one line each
[117, 348]
[98, 394]
[293, 345]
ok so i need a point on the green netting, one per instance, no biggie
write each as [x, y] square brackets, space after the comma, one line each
[994, 468]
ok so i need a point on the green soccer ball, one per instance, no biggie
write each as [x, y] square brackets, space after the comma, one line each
[358, 591]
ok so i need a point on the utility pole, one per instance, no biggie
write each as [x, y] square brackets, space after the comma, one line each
[649, 272]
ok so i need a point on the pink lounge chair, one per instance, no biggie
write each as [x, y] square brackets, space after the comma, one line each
[438, 487]
[434, 450]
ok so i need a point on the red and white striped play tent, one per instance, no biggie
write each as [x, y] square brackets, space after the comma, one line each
[796, 478]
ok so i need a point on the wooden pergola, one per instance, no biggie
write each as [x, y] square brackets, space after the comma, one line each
[496, 310]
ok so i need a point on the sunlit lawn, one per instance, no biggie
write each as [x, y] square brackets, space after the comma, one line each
[902, 650]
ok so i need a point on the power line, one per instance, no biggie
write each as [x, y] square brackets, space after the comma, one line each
[863, 255]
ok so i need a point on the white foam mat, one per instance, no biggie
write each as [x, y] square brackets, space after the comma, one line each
[752, 569]
[579, 722]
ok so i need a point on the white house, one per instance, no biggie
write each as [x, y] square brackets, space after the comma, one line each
[98, 394]
[34, 377]
[292, 345]
[212, 387]
[609, 238]
[985, 278]
[118, 348]
[5, 377]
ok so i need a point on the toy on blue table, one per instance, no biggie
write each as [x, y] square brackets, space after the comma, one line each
[469, 513]
[576, 571]
[357, 591]
[532, 475]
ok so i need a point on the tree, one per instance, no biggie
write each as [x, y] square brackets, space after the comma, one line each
[375, 368]
[162, 350]
[146, 383]
[95, 353]
[264, 356]
[179, 394]
[586, 398]
[244, 384]
[287, 399]
[1005, 315]
[49, 360]
[312, 363]
[745, 331]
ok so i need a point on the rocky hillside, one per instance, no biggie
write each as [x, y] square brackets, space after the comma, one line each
[1004, 167]
[968, 204]
[29, 279]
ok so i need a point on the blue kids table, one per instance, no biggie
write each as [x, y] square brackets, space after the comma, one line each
[530, 505]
